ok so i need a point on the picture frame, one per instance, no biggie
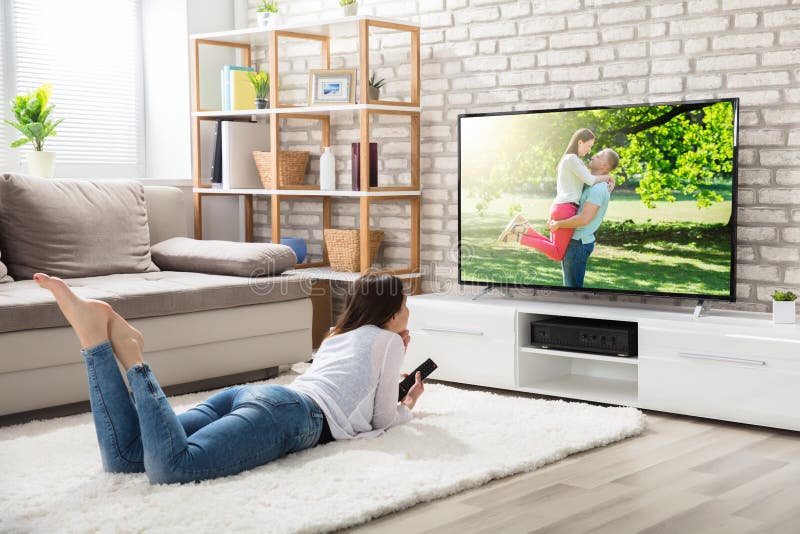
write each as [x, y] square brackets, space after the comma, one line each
[331, 86]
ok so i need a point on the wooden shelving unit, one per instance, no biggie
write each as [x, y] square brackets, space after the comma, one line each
[243, 40]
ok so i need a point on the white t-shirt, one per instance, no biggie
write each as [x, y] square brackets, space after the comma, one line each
[354, 379]
[572, 175]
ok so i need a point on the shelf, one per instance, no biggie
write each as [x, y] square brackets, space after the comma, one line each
[326, 273]
[305, 192]
[258, 36]
[302, 110]
[590, 388]
[580, 355]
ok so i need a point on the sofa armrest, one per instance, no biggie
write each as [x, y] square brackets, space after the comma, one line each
[166, 213]
[222, 257]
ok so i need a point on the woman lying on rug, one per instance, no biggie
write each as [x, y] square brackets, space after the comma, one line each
[349, 391]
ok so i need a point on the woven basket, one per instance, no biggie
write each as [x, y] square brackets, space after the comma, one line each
[293, 167]
[343, 248]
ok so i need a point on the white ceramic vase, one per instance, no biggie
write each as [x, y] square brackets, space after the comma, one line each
[262, 17]
[42, 163]
[783, 311]
[350, 9]
[327, 170]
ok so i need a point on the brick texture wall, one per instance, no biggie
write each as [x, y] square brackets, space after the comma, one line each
[496, 55]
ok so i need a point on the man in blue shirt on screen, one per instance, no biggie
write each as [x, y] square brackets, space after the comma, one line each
[594, 203]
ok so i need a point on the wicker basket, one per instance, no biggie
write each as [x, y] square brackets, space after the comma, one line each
[343, 248]
[293, 167]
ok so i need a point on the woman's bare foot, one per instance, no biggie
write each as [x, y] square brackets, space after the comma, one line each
[89, 318]
[95, 322]
[126, 341]
[119, 328]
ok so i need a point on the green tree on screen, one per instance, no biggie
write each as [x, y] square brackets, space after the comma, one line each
[669, 150]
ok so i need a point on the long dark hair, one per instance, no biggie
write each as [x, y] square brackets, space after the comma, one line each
[584, 134]
[375, 298]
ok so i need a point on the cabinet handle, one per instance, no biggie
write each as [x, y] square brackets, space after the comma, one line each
[452, 330]
[731, 359]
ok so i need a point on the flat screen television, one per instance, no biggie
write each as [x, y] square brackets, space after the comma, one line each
[536, 208]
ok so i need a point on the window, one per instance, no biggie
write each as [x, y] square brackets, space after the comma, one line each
[5, 130]
[90, 51]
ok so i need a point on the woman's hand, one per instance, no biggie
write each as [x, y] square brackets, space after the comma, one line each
[612, 183]
[414, 393]
[553, 225]
[406, 336]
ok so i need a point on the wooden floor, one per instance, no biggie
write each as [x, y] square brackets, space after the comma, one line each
[682, 475]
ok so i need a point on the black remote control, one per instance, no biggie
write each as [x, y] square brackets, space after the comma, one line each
[426, 368]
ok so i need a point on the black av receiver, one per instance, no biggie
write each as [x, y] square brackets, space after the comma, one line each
[597, 336]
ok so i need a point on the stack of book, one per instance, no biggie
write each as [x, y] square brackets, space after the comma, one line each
[237, 91]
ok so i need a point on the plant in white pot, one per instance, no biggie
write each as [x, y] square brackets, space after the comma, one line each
[350, 7]
[265, 10]
[375, 87]
[32, 114]
[783, 311]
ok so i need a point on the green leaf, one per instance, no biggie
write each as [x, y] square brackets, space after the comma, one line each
[23, 128]
[36, 129]
[20, 142]
[33, 108]
[49, 128]
[44, 114]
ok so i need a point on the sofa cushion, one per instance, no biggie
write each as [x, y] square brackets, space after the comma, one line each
[223, 257]
[73, 228]
[24, 305]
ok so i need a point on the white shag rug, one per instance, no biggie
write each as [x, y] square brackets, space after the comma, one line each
[51, 479]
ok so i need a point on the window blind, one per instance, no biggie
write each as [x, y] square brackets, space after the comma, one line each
[90, 51]
[5, 130]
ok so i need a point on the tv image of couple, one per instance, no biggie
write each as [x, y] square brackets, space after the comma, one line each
[582, 196]
[633, 199]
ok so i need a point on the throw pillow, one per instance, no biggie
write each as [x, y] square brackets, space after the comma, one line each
[73, 228]
[4, 278]
[4, 274]
[223, 257]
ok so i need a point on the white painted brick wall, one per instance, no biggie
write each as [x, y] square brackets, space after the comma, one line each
[500, 55]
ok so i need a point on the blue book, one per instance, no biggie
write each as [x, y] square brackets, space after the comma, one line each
[226, 84]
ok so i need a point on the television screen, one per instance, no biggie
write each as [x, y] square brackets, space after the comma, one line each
[634, 199]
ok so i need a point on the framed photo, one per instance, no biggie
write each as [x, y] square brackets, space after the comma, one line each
[327, 86]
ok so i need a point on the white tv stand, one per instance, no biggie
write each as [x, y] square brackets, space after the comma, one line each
[734, 366]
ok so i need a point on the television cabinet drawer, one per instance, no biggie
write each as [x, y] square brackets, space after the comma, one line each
[721, 386]
[666, 342]
[483, 362]
[471, 322]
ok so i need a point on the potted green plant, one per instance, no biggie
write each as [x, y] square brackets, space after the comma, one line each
[264, 10]
[375, 87]
[32, 114]
[783, 307]
[350, 7]
[260, 83]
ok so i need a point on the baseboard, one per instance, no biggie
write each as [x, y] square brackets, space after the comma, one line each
[175, 389]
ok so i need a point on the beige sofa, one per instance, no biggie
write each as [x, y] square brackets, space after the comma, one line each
[196, 326]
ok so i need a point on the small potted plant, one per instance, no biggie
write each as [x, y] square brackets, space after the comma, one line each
[375, 87]
[260, 83]
[32, 114]
[264, 10]
[783, 311]
[350, 7]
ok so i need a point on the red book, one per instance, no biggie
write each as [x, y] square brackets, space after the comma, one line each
[355, 159]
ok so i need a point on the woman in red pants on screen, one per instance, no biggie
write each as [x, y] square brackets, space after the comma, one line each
[572, 176]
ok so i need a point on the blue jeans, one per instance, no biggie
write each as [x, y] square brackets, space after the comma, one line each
[573, 266]
[236, 429]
